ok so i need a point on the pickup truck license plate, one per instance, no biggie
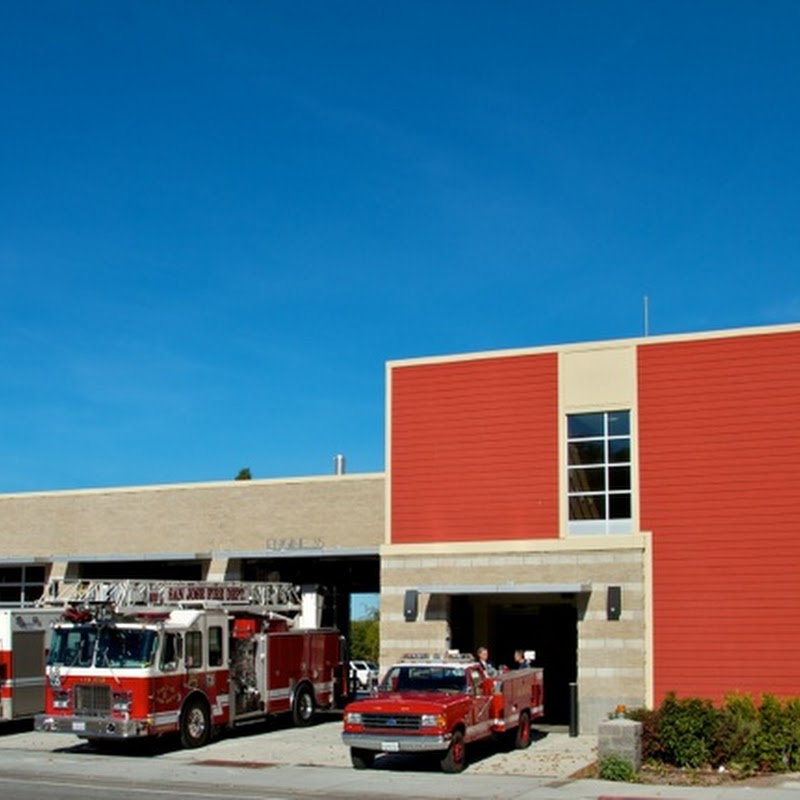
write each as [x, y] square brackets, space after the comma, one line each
[390, 747]
[78, 725]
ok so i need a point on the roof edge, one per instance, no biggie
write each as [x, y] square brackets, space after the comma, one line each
[600, 344]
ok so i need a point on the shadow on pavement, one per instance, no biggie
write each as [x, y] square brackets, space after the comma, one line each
[429, 762]
[170, 743]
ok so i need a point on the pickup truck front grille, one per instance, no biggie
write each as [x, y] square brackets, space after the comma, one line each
[392, 722]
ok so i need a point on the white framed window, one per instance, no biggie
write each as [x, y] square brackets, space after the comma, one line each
[599, 472]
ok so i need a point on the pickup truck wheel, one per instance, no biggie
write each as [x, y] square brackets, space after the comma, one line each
[303, 707]
[523, 736]
[360, 758]
[455, 759]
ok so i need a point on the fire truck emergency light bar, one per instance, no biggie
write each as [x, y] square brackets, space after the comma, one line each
[450, 655]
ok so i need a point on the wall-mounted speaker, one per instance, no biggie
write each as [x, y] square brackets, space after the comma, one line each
[410, 603]
[614, 606]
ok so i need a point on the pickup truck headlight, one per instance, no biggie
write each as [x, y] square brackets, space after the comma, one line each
[353, 718]
[433, 721]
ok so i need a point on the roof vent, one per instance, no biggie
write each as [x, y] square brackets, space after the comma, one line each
[338, 464]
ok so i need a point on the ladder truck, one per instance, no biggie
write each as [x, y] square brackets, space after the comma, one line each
[137, 658]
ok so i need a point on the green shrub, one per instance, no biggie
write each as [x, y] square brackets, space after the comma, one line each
[691, 732]
[687, 731]
[736, 734]
[773, 740]
[792, 712]
[652, 749]
[615, 768]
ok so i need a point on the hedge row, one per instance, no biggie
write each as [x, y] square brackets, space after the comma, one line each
[740, 735]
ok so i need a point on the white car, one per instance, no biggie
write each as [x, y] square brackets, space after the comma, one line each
[366, 673]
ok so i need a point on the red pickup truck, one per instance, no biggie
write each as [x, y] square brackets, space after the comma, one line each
[436, 704]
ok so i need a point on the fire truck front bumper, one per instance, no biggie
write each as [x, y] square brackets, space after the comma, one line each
[92, 727]
[398, 744]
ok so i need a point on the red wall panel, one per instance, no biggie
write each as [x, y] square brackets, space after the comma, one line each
[719, 451]
[474, 450]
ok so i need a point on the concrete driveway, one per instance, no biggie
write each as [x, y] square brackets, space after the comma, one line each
[553, 753]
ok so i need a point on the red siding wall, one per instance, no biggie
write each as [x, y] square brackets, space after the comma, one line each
[474, 450]
[719, 449]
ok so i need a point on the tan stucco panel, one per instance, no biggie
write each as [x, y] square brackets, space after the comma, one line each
[598, 377]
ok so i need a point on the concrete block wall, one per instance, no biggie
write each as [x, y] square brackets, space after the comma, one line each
[612, 657]
[613, 654]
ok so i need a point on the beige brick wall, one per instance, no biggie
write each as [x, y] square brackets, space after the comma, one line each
[332, 512]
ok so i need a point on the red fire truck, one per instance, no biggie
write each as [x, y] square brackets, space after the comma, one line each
[23, 649]
[146, 658]
[439, 704]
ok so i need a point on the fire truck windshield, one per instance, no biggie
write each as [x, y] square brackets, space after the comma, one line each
[125, 647]
[72, 646]
[108, 646]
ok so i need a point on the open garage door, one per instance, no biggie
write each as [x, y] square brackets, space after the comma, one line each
[551, 630]
[543, 621]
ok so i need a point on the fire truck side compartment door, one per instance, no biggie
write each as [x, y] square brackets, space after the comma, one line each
[28, 663]
[262, 665]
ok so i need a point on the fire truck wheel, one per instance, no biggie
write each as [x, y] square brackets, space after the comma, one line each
[361, 759]
[455, 759]
[523, 735]
[195, 724]
[303, 707]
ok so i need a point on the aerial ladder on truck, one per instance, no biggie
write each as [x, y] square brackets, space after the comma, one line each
[128, 595]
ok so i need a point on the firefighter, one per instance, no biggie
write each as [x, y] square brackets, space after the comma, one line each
[483, 658]
[520, 662]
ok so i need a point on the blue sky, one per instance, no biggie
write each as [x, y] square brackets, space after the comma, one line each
[219, 220]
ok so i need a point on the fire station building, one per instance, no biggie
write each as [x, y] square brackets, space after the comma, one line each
[625, 509]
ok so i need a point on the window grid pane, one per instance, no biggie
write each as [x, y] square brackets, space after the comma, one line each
[592, 452]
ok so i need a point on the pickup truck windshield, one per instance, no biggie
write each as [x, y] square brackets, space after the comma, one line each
[413, 678]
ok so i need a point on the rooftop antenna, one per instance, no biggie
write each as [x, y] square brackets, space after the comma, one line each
[646, 304]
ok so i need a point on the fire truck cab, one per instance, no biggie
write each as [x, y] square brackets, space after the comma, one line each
[135, 659]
